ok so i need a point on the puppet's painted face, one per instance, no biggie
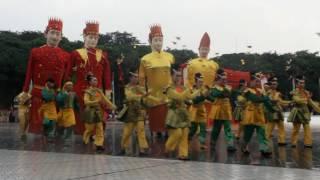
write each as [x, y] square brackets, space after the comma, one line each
[203, 52]
[91, 40]
[53, 37]
[156, 43]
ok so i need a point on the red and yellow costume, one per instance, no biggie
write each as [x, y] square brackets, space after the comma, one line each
[204, 66]
[154, 73]
[91, 60]
[44, 62]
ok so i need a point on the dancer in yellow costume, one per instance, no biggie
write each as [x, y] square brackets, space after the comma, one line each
[67, 102]
[276, 118]
[238, 96]
[198, 112]
[178, 119]
[24, 101]
[135, 116]
[48, 109]
[254, 116]
[93, 112]
[221, 112]
[300, 114]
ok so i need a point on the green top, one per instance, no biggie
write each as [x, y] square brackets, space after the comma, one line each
[259, 99]
[214, 93]
[67, 100]
[47, 94]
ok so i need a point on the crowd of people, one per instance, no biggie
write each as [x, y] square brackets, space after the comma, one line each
[70, 93]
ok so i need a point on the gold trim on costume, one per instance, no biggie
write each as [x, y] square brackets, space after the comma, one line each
[84, 54]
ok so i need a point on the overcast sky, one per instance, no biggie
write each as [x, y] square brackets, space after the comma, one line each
[267, 25]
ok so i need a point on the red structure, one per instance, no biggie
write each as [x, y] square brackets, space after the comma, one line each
[234, 77]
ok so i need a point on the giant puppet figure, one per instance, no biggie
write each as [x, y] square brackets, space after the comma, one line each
[154, 74]
[45, 62]
[207, 68]
[202, 64]
[89, 60]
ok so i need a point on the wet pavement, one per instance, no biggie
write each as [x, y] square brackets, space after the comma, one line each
[288, 157]
[26, 165]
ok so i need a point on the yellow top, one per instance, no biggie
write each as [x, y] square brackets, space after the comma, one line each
[178, 95]
[134, 95]
[221, 107]
[198, 112]
[184, 95]
[94, 96]
[253, 113]
[300, 96]
[155, 71]
[206, 67]
[137, 94]
[275, 95]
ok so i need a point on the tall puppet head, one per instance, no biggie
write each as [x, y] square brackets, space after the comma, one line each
[204, 46]
[156, 37]
[91, 34]
[53, 32]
